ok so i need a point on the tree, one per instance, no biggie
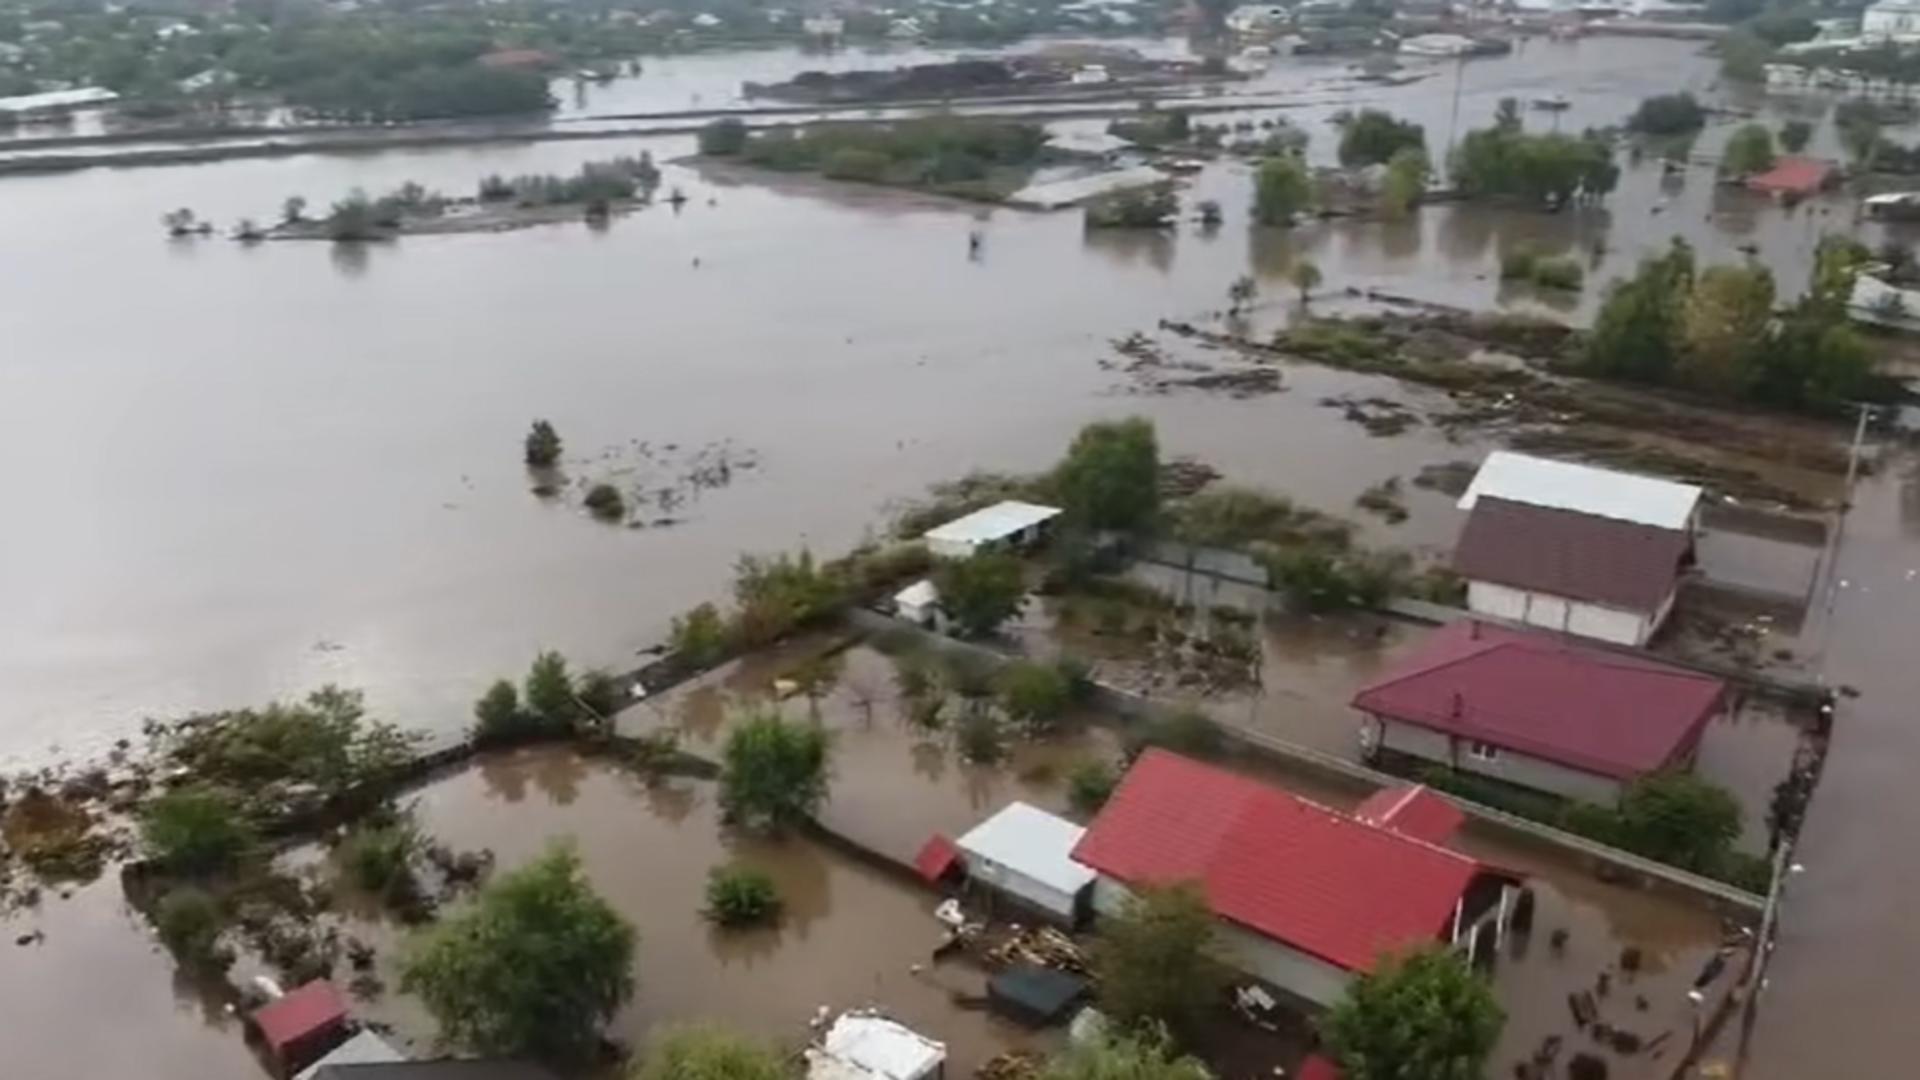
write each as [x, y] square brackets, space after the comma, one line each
[605, 502]
[773, 772]
[1725, 326]
[1034, 695]
[294, 209]
[1744, 56]
[180, 222]
[354, 219]
[533, 968]
[708, 1053]
[1634, 333]
[542, 445]
[1090, 784]
[1305, 276]
[817, 675]
[1110, 478]
[1749, 150]
[700, 637]
[549, 691]
[497, 714]
[1668, 114]
[1406, 180]
[189, 921]
[1424, 1015]
[724, 137]
[1552, 168]
[1794, 135]
[1281, 189]
[1678, 818]
[1860, 123]
[1373, 137]
[1154, 961]
[195, 830]
[981, 592]
[1241, 293]
[1147, 1055]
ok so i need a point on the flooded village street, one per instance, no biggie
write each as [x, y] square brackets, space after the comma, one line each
[237, 472]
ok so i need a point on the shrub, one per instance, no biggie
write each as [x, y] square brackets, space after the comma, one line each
[598, 693]
[981, 592]
[549, 692]
[699, 1053]
[856, 163]
[1281, 190]
[723, 138]
[543, 445]
[195, 830]
[700, 637]
[1668, 114]
[1149, 207]
[189, 922]
[1034, 695]
[979, 738]
[605, 502]
[1184, 731]
[1373, 137]
[1564, 273]
[1091, 784]
[497, 714]
[378, 859]
[741, 896]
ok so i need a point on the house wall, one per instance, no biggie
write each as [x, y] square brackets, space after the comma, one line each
[1514, 768]
[1035, 894]
[1283, 966]
[1567, 616]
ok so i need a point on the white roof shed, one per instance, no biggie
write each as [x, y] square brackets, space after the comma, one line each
[965, 535]
[866, 1047]
[1562, 485]
[1028, 853]
[365, 1048]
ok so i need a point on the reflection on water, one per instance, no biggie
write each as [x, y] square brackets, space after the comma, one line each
[1151, 247]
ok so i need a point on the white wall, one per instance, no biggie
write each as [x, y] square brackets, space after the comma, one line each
[1514, 768]
[1020, 886]
[1551, 612]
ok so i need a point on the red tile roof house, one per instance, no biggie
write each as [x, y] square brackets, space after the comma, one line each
[1575, 548]
[1541, 711]
[1306, 896]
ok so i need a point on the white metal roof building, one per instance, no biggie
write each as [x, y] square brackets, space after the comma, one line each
[862, 1046]
[1027, 853]
[58, 99]
[1562, 485]
[1011, 522]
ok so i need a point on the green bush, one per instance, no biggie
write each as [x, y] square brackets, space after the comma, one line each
[497, 714]
[378, 859]
[189, 922]
[1091, 784]
[195, 830]
[1033, 695]
[1564, 273]
[1184, 731]
[701, 637]
[856, 163]
[773, 772]
[723, 137]
[1668, 114]
[542, 446]
[605, 502]
[599, 694]
[741, 896]
[979, 737]
[549, 692]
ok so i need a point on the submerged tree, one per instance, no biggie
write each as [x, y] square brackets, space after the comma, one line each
[1305, 276]
[1749, 150]
[1154, 962]
[542, 445]
[1281, 190]
[1110, 478]
[981, 592]
[708, 1053]
[533, 968]
[773, 772]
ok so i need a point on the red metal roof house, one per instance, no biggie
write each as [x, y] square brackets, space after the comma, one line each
[1793, 177]
[1307, 896]
[1538, 710]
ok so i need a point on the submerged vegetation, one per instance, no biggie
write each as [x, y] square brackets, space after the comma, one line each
[980, 159]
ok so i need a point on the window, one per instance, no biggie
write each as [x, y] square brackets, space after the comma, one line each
[1480, 751]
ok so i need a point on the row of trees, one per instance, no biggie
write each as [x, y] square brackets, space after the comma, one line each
[1717, 330]
[554, 702]
[924, 152]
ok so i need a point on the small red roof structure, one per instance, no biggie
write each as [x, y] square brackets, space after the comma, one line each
[937, 856]
[1567, 553]
[1793, 177]
[1292, 870]
[518, 60]
[1415, 811]
[1317, 1068]
[1609, 713]
[301, 1026]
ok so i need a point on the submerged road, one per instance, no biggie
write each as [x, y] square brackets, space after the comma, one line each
[1844, 977]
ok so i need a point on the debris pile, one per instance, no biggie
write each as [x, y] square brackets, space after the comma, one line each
[1041, 946]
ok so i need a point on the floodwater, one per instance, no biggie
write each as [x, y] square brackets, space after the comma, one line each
[244, 471]
[849, 937]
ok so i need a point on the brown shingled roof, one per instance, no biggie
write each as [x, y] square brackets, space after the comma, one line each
[1567, 553]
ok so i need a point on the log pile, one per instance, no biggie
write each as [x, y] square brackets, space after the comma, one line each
[1042, 946]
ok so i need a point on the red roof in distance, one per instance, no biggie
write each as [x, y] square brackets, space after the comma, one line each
[1317, 1068]
[1792, 175]
[1415, 811]
[1603, 712]
[300, 1015]
[1567, 553]
[1318, 880]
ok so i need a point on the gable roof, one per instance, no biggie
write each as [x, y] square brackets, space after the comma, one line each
[1413, 810]
[1029, 841]
[1571, 554]
[1602, 712]
[299, 1014]
[1289, 869]
[1563, 485]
